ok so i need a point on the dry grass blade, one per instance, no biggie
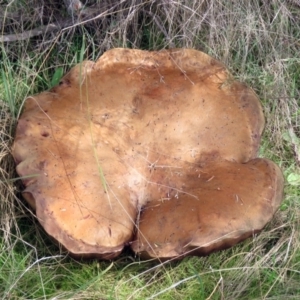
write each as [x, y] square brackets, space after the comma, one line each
[7, 171]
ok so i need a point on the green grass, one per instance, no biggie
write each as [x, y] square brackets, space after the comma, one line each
[260, 43]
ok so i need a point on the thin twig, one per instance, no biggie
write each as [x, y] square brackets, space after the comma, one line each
[29, 33]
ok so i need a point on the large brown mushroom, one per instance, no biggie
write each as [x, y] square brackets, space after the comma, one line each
[152, 149]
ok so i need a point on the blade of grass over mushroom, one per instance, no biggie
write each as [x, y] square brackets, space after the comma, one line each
[81, 57]
[23, 177]
[101, 174]
[103, 181]
[89, 116]
[100, 170]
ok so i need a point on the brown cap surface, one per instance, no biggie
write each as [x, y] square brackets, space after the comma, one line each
[219, 205]
[89, 149]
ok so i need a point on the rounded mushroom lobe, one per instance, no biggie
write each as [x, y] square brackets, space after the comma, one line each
[221, 205]
[120, 135]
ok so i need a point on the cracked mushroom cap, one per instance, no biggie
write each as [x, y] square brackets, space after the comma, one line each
[125, 145]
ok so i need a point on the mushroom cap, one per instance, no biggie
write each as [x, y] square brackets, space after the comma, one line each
[89, 150]
[220, 205]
